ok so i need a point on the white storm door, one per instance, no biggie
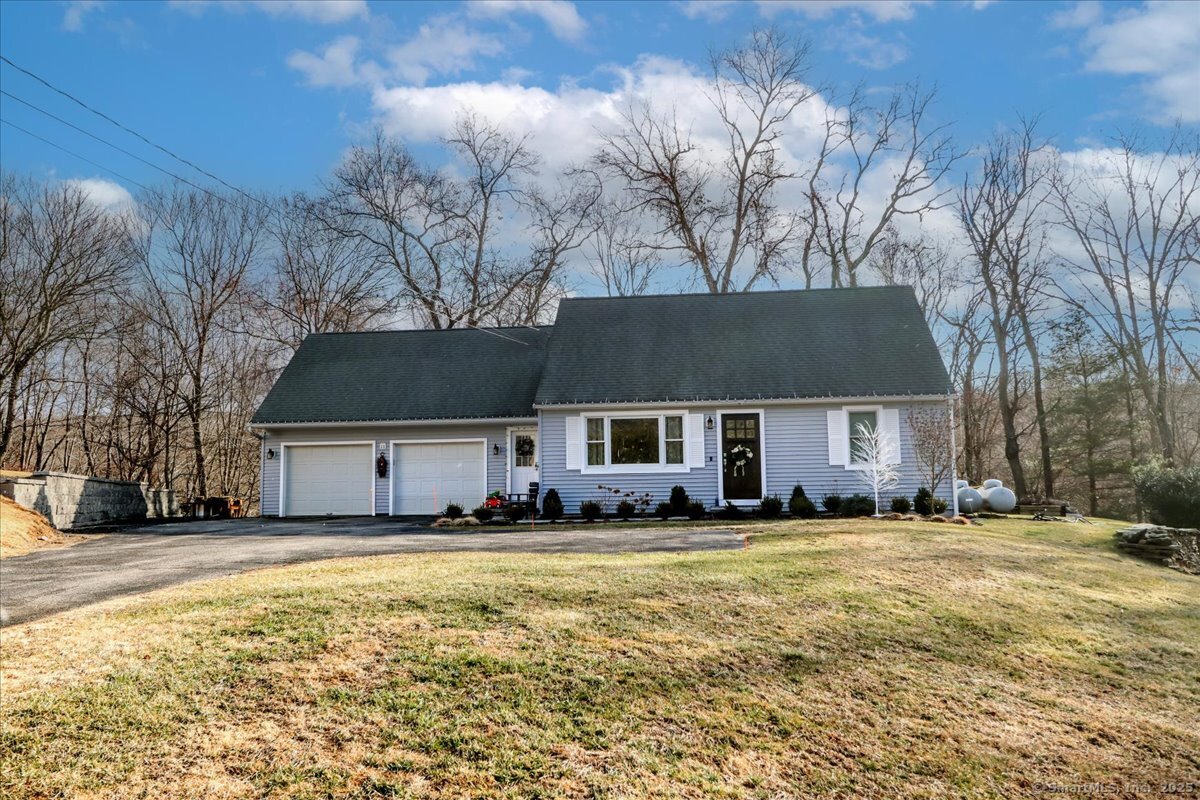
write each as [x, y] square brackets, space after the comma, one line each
[428, 475]
[522, 459]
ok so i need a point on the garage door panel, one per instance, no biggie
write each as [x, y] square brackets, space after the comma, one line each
[427, 476]
[326, 480]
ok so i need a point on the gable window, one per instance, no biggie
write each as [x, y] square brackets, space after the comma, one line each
[860, 422]
[620, 441]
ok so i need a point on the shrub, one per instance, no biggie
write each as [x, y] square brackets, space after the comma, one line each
[799, 505]
[679, 501]
[515, 512]
[1171, 496]
[696, 510]
[552, 507]
[483, 514]
[771, 507]
[453, 511]
[730, 511]
[923, 502]
[832, 503]
[857, 505]
[662, 510]
[939, 505]
[590, 510]
[625, 509]
[901, 505]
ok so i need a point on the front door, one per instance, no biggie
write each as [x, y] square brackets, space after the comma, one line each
[741, 457]
[523, 459]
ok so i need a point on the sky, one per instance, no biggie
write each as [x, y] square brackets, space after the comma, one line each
[269, 95]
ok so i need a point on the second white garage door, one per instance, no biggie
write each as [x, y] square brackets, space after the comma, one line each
[327, 479]
[429, 475]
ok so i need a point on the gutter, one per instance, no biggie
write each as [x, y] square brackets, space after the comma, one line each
[264, 426]
[773, 401]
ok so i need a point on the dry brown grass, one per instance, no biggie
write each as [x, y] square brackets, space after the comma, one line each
[23, 531]
[838, 659]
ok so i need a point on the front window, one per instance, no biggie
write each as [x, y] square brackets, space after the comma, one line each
[638, 441]
[862, 426]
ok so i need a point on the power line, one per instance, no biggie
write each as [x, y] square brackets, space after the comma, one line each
[116, 147]
[73, 153]
[127, 129]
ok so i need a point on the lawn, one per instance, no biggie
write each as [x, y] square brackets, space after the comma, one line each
[829, 659]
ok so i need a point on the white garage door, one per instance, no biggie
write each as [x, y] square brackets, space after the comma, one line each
[328, 479]
[428, 476]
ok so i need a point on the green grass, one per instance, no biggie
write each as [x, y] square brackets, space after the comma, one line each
[839, 659]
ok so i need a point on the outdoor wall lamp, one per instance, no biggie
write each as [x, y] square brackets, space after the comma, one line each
[709, 422]
[495, 449]
[270, 454]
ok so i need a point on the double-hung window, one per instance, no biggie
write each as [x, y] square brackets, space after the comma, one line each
[862, 426]
[617, 442]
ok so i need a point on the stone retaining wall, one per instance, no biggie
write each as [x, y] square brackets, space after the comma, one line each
[74, 501]
[1171, 547]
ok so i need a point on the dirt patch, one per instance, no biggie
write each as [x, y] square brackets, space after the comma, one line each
[23, 531]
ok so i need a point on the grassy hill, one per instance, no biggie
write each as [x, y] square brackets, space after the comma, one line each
[838, 659]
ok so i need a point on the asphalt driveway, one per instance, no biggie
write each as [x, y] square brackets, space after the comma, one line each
[141, 559]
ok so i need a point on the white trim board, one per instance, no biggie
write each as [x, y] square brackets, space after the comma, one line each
[283, 446]
[392, 423]
[732, 404]
[392, 455]
[762, 461]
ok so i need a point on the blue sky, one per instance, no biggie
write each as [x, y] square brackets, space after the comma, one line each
[268, 95]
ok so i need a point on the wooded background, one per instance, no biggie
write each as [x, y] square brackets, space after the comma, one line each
[1063, 289]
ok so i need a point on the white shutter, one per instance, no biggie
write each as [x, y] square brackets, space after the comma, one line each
[836, 423]
[695, 441]
[574, 442]
[891, 426]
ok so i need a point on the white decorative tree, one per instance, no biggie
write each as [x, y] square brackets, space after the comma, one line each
[877, 452]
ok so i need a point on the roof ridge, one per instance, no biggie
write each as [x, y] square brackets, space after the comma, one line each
[757, 293]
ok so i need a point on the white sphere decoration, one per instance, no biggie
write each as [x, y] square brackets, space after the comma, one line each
[992, 483]
[969, 500]
[999, 499]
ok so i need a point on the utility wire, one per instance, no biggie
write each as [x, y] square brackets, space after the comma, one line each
[127, 129]
[73, 153]
[116, 147]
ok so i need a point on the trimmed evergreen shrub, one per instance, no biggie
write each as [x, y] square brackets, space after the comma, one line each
[483, 514]
[663, 510]
[923, 502]
[453, 511]
[552, 507]
[857, 505]
[515, 512]
[901, 505]
[1171, 496]
[799, 505]
[730, 511]
[625, 509]
[939, 505]
[696, 510]
[771, 507]
[679, 501]
[590, 510]
[832, 503]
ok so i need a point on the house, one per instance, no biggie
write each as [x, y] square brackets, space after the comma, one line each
[639, 393]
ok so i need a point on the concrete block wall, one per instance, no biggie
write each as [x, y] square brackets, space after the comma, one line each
[74, 501]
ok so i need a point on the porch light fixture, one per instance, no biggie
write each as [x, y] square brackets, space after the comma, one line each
[270, 454]
[709, 422]
[495, 449]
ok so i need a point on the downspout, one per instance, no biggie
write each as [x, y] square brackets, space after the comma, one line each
[953, 457]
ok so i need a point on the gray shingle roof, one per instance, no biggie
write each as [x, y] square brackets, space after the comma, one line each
[408, 375]
[862, 342]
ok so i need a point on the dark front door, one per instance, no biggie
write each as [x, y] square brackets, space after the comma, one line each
[741, 456]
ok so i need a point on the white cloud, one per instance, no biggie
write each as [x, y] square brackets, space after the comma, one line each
[77, 11]
[335, 66]
[711, 10]
[879, 10]
[104, 193]
[1158, 41]
[1081, 15]
[442, 46]
[321, 11]
[560, 16]
[869, 51]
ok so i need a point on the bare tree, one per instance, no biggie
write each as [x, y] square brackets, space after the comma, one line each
[62, 258]
[844, 221]
[718, 210]
[878, 455]
[623, 254]
[927, 267]
[1135, 217]
[319, 281]
[932, 445]
[999, 212]
[197, 254]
